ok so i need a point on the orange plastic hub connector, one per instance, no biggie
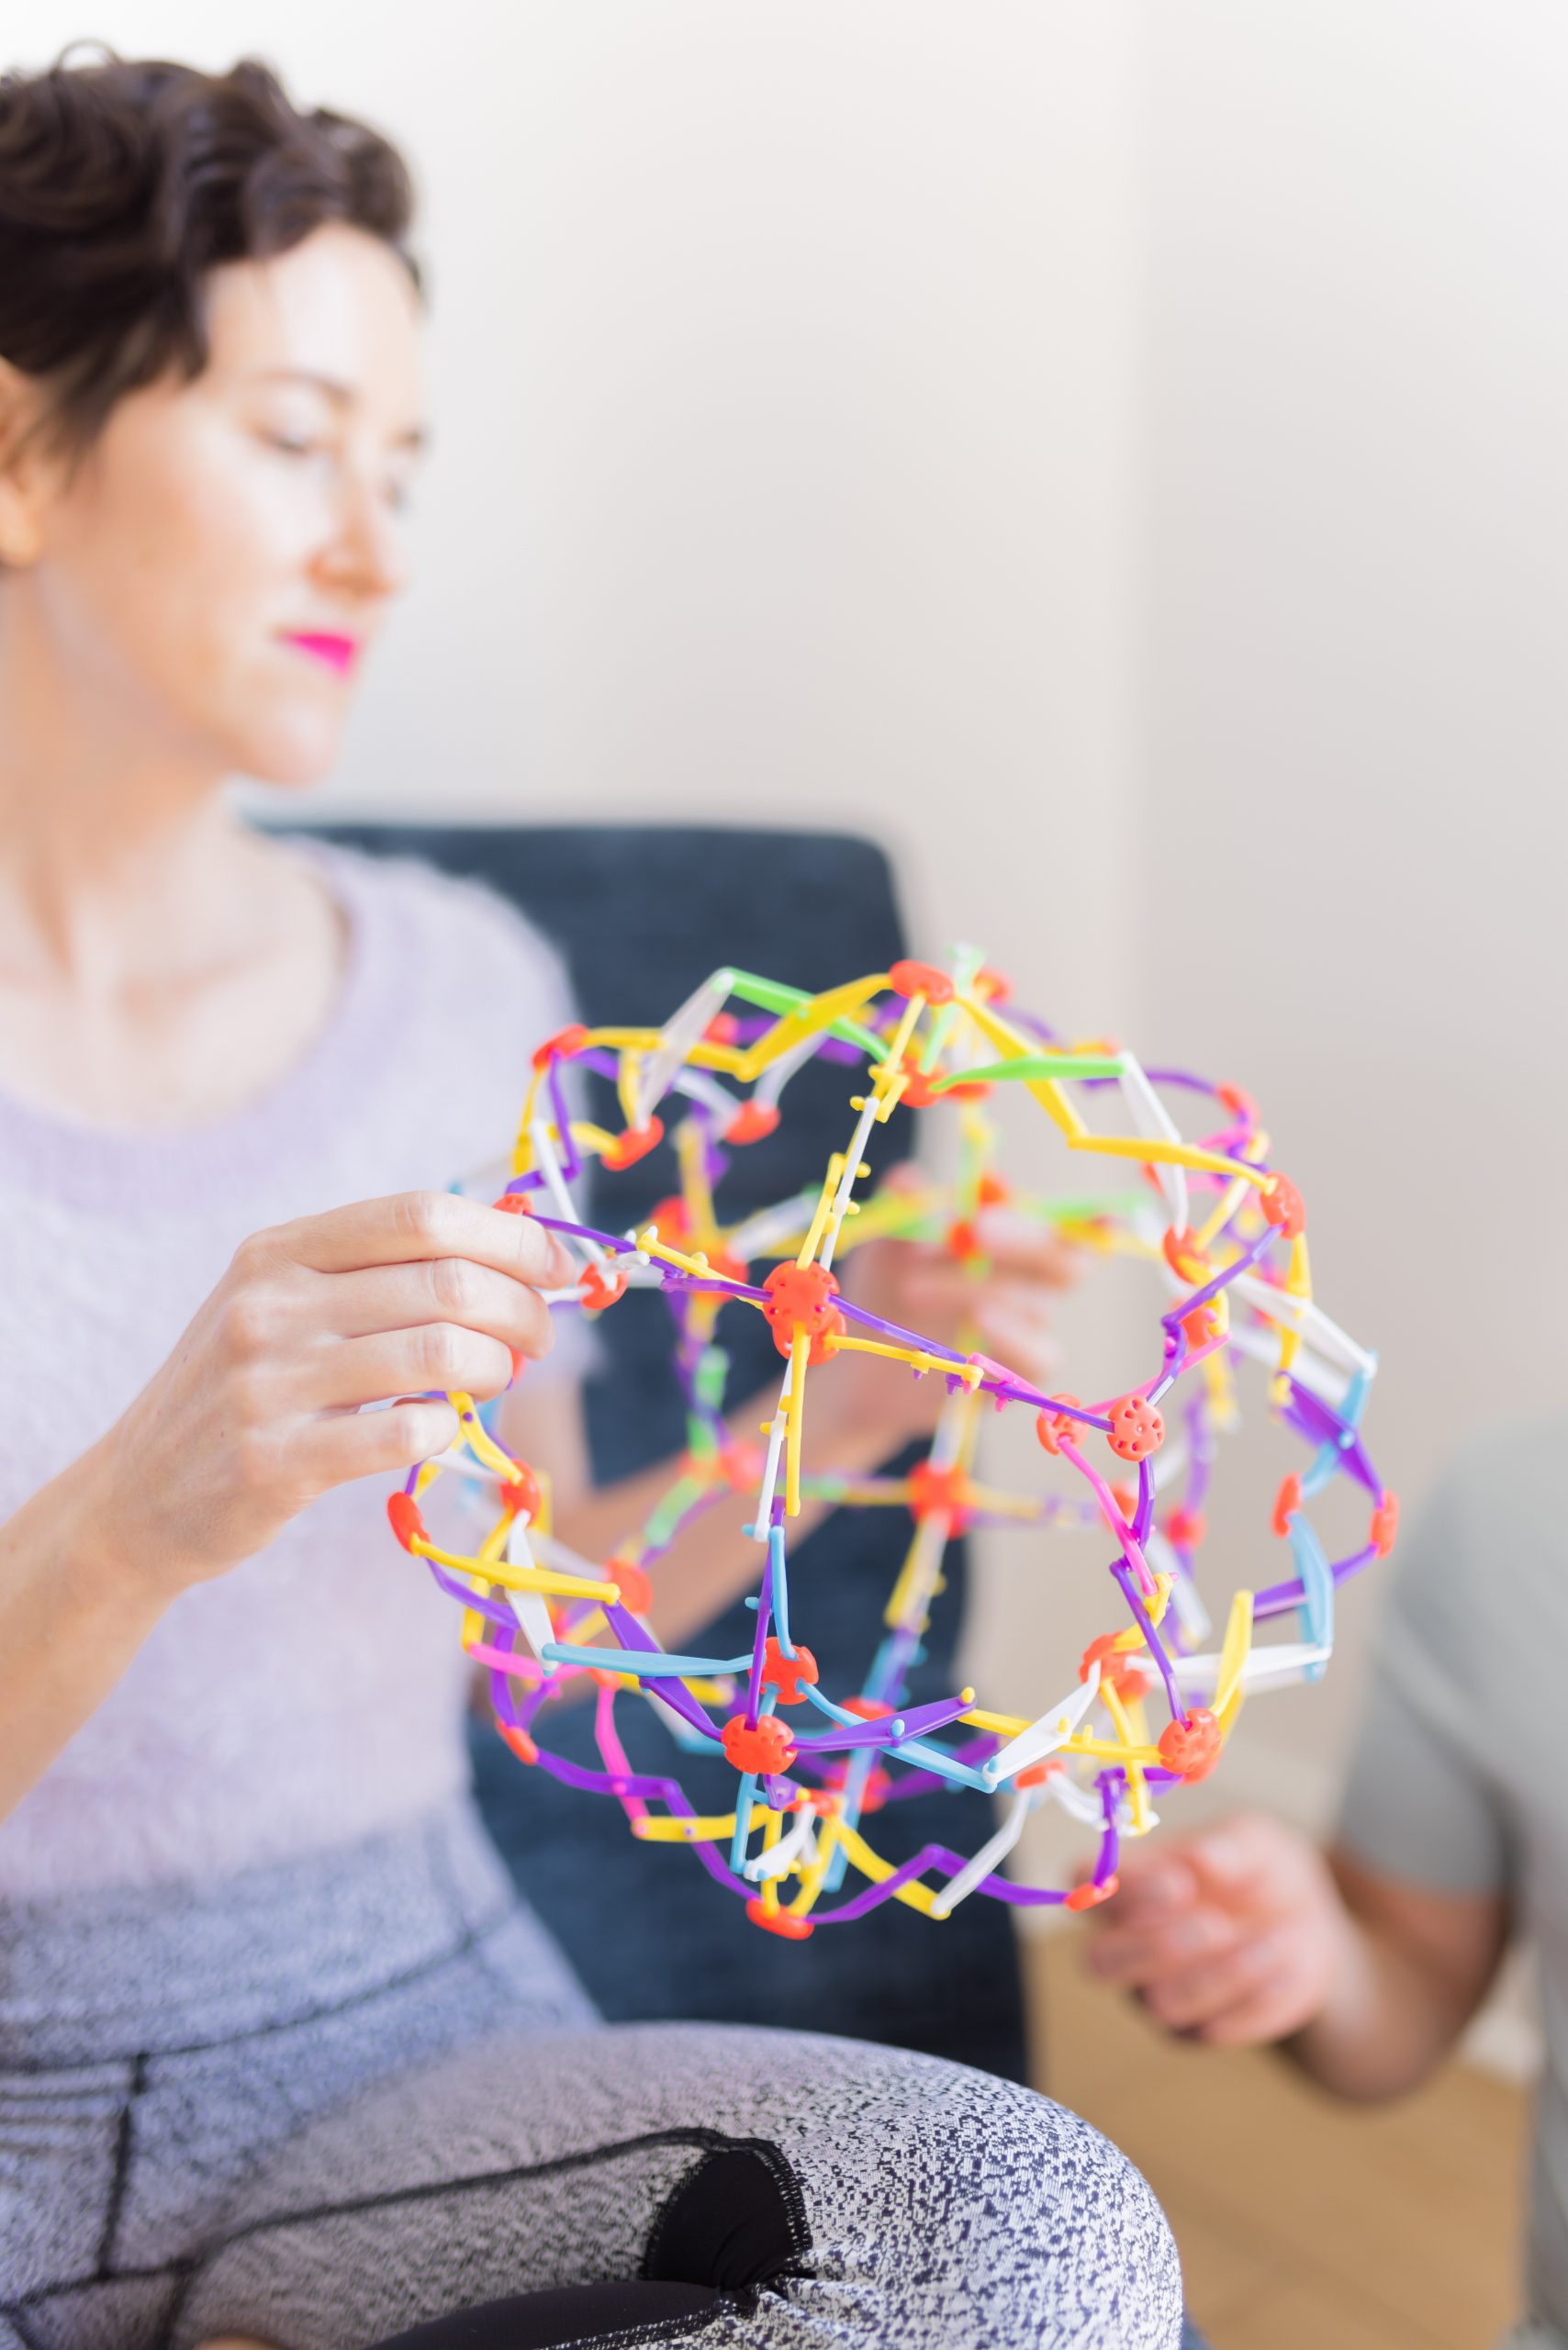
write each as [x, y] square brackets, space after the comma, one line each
[403, 1517]
[1385, 1524]
[784, 1674]
[919, 1091]
[932, 1490]
[1089, 1895]
[823, 1347]
[1198, 1327]
[752, 1122]
[1052, 1427]
[561, 1045]
[1191, 1748]
[763, 1746]
[601, 1288]
[1286, 1502]
[909, 977]
[634, 1583]
[671, 1219]
[1283, 1206]
[800, 1297]
[1184, 1256]
[1118, 1666]
[778, 1921]
[521, 1492]
[1137, 1428]
[741, 1464]
[1186, 1529]
[636, 1142]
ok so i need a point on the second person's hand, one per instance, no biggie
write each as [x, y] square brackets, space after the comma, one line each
[1234, 1936]
[925, 1288]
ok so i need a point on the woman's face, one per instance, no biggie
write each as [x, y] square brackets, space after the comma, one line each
[213, 572]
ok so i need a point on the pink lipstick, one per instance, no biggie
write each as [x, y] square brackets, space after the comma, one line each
[339, 652]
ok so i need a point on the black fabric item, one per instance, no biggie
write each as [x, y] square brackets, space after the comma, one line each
[639, 915]
[736, 2223]
[568, 2317]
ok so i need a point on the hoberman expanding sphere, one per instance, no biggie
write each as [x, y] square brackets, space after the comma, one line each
[1226, 1234]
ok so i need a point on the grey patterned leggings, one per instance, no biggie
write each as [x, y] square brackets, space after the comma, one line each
[330, 2100]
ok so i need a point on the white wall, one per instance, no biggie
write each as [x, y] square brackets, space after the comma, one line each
[1115, 453]
[1354, 567]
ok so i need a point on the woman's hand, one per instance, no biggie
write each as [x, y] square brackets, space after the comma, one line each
[256, 1412]
[1004, 1311]
[1235, 1936]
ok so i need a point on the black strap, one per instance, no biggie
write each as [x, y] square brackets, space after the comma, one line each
[638, 2308]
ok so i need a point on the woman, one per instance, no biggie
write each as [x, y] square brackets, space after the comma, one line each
[281, 2059]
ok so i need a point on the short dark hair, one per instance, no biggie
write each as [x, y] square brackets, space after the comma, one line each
[123, 183]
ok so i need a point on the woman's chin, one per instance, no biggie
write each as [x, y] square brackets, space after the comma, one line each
[294, 757]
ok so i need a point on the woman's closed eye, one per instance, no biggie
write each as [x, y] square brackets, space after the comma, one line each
[292, 444]
[396, 489]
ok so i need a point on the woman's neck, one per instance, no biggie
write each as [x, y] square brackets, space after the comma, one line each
[118, 857]
[100, 905]
[158, 963]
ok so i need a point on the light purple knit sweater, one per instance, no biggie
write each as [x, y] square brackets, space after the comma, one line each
[316, 1692]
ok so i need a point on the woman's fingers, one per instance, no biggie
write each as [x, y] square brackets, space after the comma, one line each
[411, 1228]
[442, 1289]
[440, 1355]
[255, 1413]
[371, 1444]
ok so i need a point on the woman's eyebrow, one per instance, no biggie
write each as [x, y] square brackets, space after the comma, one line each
[341, 396]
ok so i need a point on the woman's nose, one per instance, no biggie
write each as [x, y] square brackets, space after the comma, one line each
[366, 554]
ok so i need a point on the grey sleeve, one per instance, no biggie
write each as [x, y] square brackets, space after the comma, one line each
[1420, 1802]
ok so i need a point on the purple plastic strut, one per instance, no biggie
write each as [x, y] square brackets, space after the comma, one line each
[571, 1160]
[1123, 1575]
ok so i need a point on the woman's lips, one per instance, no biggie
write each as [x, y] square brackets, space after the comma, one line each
[339, 652]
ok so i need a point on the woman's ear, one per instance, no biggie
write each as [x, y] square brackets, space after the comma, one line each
[24, 469]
